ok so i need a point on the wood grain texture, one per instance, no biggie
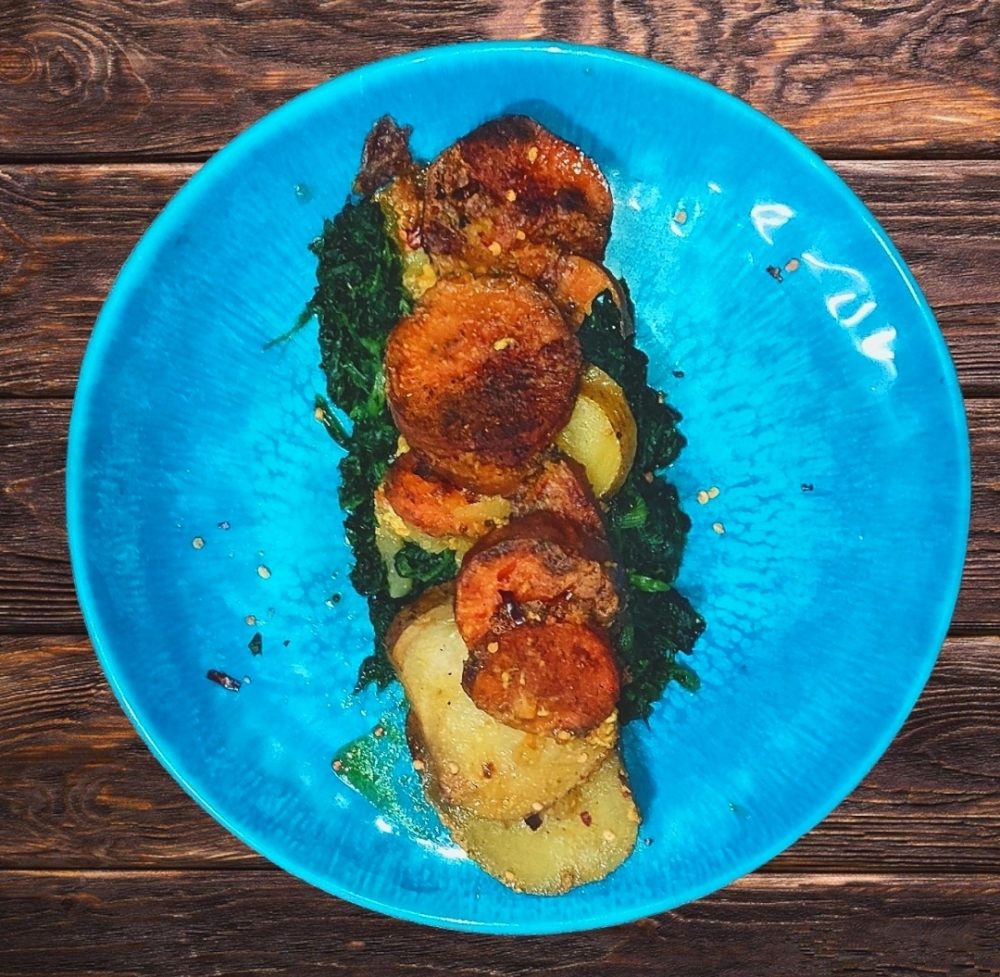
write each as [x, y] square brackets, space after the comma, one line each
[36, 587]
[79, 789]
[65, 231]
[64, 234]
[126, 924]
[177, 78]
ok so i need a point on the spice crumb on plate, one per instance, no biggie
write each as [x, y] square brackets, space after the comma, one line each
[227, 682]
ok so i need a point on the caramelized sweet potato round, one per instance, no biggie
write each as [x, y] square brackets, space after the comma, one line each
[481, 376]
[559, 485]
[539, 567]
[574, 283]
[437, 507]
[511, 195]
[544, 678]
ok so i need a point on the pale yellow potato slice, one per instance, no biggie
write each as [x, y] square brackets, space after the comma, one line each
[582, 838]
[492, 770]
[601, 433]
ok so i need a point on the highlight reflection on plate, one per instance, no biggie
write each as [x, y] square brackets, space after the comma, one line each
[816, 391]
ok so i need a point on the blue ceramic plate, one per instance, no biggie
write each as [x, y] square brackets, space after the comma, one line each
[817, 394]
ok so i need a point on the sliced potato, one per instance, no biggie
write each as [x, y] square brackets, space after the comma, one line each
[601, 433]
[582, 838]
[388, 544]
[490, 769]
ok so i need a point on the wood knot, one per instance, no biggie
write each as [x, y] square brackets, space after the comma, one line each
[17, 66]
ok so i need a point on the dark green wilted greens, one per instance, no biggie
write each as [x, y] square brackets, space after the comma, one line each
[646, 526]
[423, 568]
[359, 297]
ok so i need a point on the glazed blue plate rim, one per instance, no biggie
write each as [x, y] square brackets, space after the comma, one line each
[178, 209]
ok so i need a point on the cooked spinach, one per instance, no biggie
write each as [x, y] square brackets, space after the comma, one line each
[325, 415]
[359, 297]
[656, 626]
[423, 568]
[646, 525]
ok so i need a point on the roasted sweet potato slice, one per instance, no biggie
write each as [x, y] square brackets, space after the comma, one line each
[386, 155]
[545, 678]
[574, 282]
[511, 195]
[538, 567]
[559, 485]
[435, 506]
[481, 377]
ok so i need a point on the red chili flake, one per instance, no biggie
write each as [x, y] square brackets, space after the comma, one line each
[229, 683]
[487, 770]
[586, 818]
[775, 272]
[414, 238]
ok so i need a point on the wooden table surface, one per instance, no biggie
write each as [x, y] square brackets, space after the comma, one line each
[106, 867]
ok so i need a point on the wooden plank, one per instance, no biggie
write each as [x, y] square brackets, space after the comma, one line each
[65, 230]
[64, 234]
[259, 923]
[945, 220]
[36, 588]
[81, 791]
[179, 78]
[36, 584]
